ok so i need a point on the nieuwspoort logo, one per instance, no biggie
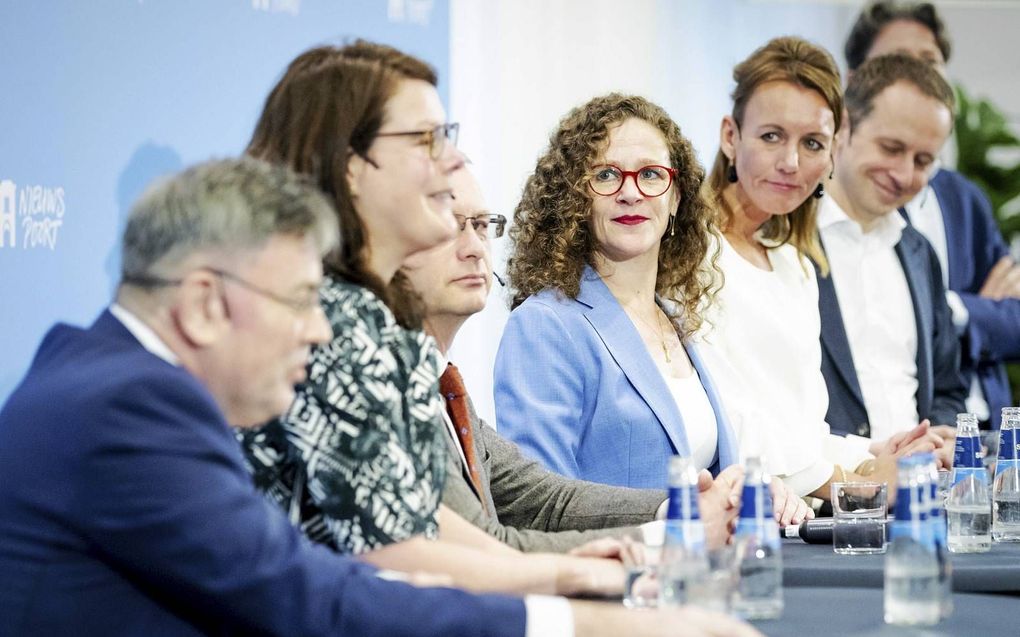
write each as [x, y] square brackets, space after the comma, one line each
[30, 216]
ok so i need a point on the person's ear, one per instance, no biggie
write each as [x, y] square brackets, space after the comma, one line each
[356, 166]
[729, 133]
[200, 310]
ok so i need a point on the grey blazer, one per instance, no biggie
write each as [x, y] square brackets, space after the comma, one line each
[533, 509]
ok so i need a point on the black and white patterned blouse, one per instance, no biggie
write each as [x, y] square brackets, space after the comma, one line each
[362, 443]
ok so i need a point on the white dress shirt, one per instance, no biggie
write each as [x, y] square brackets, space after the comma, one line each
[878, 314]
[699, 419]
[765, 357]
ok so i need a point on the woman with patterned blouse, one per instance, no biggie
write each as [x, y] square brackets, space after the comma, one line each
[358, 459]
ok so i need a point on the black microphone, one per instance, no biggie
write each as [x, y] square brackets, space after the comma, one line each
[817, 531]
[499, 279]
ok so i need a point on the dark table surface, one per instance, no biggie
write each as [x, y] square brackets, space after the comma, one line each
[832, 612]
[997, 571]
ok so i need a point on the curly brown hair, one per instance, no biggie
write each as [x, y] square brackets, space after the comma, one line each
[552, 238]
[785, 59]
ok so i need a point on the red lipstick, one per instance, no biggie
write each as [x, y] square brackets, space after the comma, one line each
[630, 220]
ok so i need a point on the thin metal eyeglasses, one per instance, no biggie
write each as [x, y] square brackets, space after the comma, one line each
[436, 137]
[651, 181]
[486, 226]
[300, 306]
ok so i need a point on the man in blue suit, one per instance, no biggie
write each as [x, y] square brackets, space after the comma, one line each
[125, 505]
[981, 279]
[889, 353]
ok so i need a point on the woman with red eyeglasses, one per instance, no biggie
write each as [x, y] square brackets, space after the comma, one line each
[597, 375]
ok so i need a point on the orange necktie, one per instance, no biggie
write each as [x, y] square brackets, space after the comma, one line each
[452, 387]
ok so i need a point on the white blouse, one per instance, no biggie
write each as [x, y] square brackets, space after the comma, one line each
[766, 357]
[698, 416]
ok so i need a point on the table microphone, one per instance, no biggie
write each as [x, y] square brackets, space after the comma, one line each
[817, 531]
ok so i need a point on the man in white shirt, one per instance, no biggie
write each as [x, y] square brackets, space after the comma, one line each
[889, 352]
[981, 278]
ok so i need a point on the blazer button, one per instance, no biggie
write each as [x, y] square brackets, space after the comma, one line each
[862, 429]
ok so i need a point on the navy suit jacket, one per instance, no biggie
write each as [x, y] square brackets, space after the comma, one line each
[126, 509]
[940, 387]
[974, 244]
[576, 389]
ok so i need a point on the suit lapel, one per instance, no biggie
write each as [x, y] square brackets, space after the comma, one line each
[483, 466]
[453, 448]
[834, 338]
[628, 350]
[726, 446]
[911, 253]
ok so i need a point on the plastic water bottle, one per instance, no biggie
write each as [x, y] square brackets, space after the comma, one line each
[937, 523]
[912, 591]
[1006, 489]
[759, 593]
[969, 506]
[684, 562]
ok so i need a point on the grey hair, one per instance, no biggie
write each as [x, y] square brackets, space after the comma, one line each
[230, 205]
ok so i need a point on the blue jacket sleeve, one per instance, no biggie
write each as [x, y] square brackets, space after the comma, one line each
[949, 388]
[539, 387]
[165, 498]
[993, 332]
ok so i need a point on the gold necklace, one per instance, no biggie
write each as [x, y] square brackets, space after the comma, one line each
[662, 335]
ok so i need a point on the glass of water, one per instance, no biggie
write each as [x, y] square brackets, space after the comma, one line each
[641, 555]
[858, 512]
[715, 590]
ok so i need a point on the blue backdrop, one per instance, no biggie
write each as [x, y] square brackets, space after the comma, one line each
[98, 98]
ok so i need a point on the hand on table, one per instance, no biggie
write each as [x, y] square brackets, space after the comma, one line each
[607, 547]
[787, 506]
[719, 503]
[920, 438]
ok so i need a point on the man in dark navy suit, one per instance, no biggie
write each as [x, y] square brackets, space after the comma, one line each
[982, 281]
[889, 353]
[125, 505]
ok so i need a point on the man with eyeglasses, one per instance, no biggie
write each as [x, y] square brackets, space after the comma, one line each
[489, 482]
[125, 506]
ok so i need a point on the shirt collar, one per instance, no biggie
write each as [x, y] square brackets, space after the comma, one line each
[888, 230]
[830, 214]
[145, 334]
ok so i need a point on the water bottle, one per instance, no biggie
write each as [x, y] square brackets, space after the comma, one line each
[759, 593]
[684, 562]
[969, 506]
[1006, 489]
[912, 591]
[937, 523]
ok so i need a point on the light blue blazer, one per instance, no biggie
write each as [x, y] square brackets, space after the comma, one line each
[576, 389]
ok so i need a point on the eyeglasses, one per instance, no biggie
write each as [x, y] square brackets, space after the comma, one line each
[436, 138]
[299, 305]
[651, 181]
[485, 226]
